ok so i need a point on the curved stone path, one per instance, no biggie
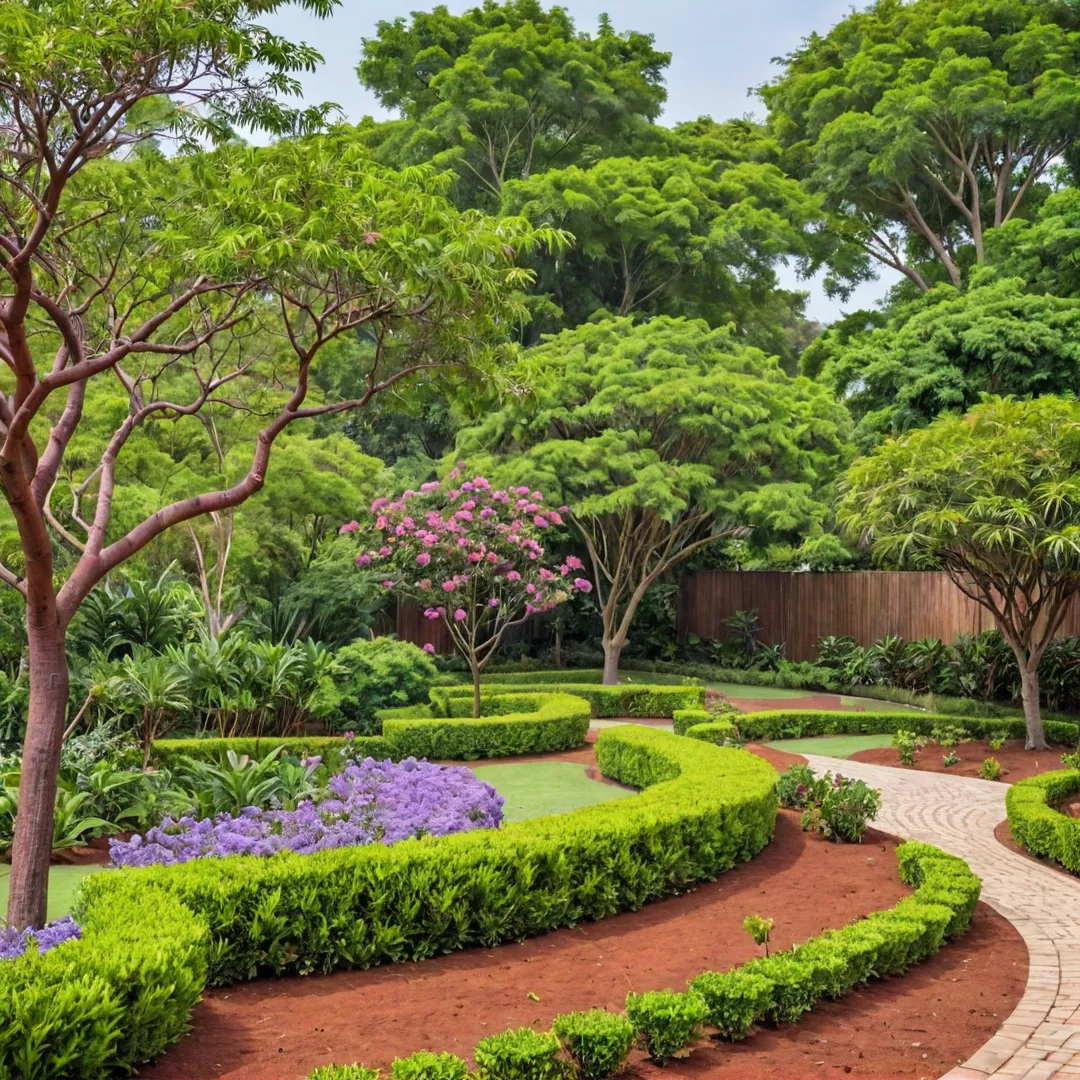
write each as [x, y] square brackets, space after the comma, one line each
[1041, 1038]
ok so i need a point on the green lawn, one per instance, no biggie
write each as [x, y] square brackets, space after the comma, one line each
[739, 690]
[63, 881]
[840, 746]
[537, 788]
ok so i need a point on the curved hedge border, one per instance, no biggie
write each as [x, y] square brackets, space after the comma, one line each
[630, 699]
[1037, 826]
[776, 989]
[796, 724]
[703, 811]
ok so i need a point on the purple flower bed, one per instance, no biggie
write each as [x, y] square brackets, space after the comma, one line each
[13, 943]
[371, 801]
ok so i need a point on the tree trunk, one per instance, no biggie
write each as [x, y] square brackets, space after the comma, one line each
[612, 652]
[1029, 689]
[475, 687]
[29, 886]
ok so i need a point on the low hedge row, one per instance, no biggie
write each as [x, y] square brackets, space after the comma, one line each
[703, 811]
[167, 753]
[605, 701]
[777, 989]
[515, 724]
[1037, 825]
[682, 720]
[714, 731]
[796, 724]
[113, 999]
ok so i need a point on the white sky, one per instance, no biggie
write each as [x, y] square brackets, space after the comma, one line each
[719, 49]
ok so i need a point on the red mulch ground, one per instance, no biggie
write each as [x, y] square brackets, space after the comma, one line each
[1016, 762]
[919, 1025]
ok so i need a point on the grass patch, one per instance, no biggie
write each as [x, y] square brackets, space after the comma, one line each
[63, 881]
[538, 788]
[840, 746]
[758, 693]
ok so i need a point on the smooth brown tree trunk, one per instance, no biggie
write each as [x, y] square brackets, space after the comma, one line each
[29, 883]
[612, 652]
[475, 688]
[1029, 690]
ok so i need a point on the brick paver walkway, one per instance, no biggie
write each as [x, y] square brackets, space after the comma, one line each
[1041, 1038]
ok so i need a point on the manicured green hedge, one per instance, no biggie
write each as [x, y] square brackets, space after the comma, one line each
[705, 809]
[515, 724]
[500, 674]
[1035, 823]
[605, 701]
[684, 719]
[111, 1000]
[775, 989]
[716, 731]
[796, 724]
[168, 752]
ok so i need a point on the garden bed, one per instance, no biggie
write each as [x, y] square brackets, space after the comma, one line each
[1016, 762]
[918, 1025]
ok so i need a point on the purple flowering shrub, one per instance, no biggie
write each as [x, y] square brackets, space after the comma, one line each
[370, 801]
[13, 943]
[470, 556]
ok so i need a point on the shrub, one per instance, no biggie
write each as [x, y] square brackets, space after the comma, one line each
[1071, 761]
[536, 723]
[627, 699]
[997, 740]
[792, 991]
[948, 735]
[907, 743]
[704, 810]
[424, 1065]
[794, 787]
[990, 769]
[597, 1041]
[845, 809]
[735, 1000]
[666, 1022]
[170, 753]
[1037, 825]
[759, 929]
[718, 732]
[343, 1072]
[523, 1054]
[380, 674]
[950, 759]
[684, 719]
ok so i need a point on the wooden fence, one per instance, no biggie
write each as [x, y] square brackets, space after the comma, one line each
[797, 609]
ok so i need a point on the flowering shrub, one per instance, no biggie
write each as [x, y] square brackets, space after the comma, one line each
[471, 557]
[841, 808]
[370, 801]
[14, 942]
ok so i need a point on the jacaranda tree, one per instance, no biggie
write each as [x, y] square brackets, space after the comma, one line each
[471, 556]
[184, 280]
[993, 499]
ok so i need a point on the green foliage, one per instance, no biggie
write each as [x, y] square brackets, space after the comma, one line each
[380, 674]
[111, 1001]
[703, 810]
[424, 1065]
[735, 1000]
[990, 769]
[684, 719]
[794, 787]
[523, 1054]
[343, 1072]
[626, 699]
[597, 1041]
[171, 753]
[950, 759]
[947, 735]
[997, 741]
[759, 929]
[1037, 825]
[907, 743]
[841, 808]
[666, 1022]
[1071, 761]
[717, 732]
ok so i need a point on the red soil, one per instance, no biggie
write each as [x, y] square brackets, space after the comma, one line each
[919, 1025]
[1016, 762]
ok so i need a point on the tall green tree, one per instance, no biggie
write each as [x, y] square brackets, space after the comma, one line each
[509, 89]
[661, 438]
[993, 499]
[927, 123]
[130, 271]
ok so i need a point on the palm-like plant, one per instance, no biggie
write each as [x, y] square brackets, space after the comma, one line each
[153, 690]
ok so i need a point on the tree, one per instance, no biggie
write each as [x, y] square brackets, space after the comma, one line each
[992, 498]
[945, 350]
[662, 438]
[155, 275]
[927, 123]
[471, 556]
[509, 89]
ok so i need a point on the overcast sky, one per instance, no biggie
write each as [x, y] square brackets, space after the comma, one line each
[719, 48]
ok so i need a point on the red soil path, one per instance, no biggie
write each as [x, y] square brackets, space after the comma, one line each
[919, 1025]
[1016, 762]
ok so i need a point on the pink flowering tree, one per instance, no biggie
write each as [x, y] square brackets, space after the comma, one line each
[472, 557]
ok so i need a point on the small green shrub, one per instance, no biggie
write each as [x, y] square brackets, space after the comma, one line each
[759, 929]
[792, 990]
[343, 1072]
[997, 740]
[380, 674]
[597, 1041]
[950, 759]
[425, 1065]
[845, 809]
[795, 786]
[990, 769]
[666, 1022]
[1037, 825]
[1071, 761]
[523, 1054]
[717, 732]
[907, 743]
[735, 1000]
[948, 735]
[626, 699]
[684, 719]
